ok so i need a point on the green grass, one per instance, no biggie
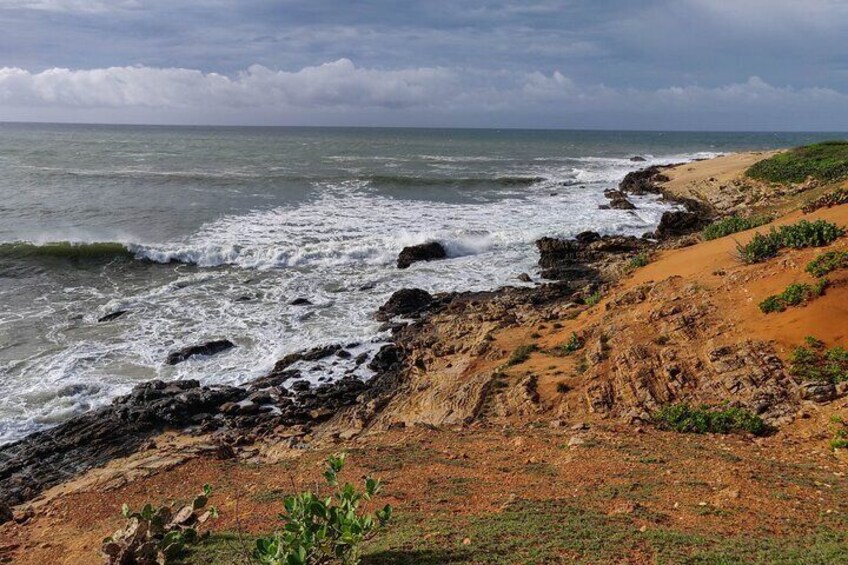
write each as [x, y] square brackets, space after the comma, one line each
[705, 419]
[814, 362]
[826, 161]
[562, 531]
[733, 224]
[593, 298]
[827, 263]
[638, 261]
[520, 355]
[834, 198]
[573, 344]
[795, 294]
[797, 236]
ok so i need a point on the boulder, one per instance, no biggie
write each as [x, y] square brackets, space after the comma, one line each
[618, 200]
[208, 348]
[112, 316]
[300, 302]
[638, 159]
[673, 224]
[423, 252]
[405, 302]
[524, 277]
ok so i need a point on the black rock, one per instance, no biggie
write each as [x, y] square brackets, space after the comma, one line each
[387, 359]
[587, 237]
[677, 223]
[405, 302]
[112, 316]
[618, 200]
[208, 348]
[300, 302]
[423, 252]
[638, 159]
[524, 277]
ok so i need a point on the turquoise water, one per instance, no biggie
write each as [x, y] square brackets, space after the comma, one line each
[203, 233]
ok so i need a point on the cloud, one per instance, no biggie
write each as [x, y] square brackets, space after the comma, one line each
[461, 96]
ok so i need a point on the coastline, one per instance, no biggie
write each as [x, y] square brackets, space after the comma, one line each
[450, 381]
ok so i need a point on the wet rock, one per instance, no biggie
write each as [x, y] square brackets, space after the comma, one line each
[423, 252]
[314, 354]
[387, 359]
[405, 302]
[6, 514]
[643, 181]
[677, 223]
[300, 386]
[638, 159]
[112, 316]
[208, 348]
[524, 277]
[300, 302]
[587, 237]
[618, 200]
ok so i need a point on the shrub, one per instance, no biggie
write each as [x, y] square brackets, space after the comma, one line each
[814, 362]
[705, 419]
[322, 530]
[800, 235]
[733, 224]
[593, 298]
[794, 295]
[157, 535]
[520, 355]
[834, 198]
[827, 161]
[573, 344]
[827, 262]
[639, 260]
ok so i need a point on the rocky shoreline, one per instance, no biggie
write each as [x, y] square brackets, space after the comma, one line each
[239, 415]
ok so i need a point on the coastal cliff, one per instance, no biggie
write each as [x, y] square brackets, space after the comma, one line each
[524, 414]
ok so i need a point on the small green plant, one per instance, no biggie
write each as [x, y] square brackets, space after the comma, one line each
[834, 198]
[815, 362]
[705, 419]
[158, 535]
[795, 294]
[521, 354]
[733, 224]
[573, 344]
[639, 261]
[593, 298]
[321, 530]
[798, 236]
[826, 161]
[828, 262]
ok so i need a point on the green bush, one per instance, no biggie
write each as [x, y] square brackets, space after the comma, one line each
[827, 262]
[733, 224]
[827, 161]
[705, 419]
[573, 344]
[794, 295]
[521, 354]
[321, 530]
[638, 261]
[593, 298]
[800, 235]
[814, 362]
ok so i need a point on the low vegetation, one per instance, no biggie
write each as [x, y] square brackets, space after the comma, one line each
[573, 344]
[797, 236]
[795, 294]
[733, 224]
[638, 261]
[833, 198]
[520, 355]
[827, 263]
[320, 529]
[815, 362]
[705, 419]
[840, 433]
[826, 161]
[158, 535]
[593, 298]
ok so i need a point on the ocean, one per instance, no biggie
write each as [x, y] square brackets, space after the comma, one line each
[210, 233]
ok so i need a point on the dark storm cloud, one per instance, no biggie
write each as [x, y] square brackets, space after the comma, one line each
[775, 64]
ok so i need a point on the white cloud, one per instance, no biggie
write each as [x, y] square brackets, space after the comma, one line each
[346, 91]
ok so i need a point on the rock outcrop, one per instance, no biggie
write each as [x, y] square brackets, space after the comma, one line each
[208, 348]
[423, 252]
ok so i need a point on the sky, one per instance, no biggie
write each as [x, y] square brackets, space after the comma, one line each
[597, 64]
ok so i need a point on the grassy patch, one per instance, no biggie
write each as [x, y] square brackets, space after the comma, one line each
[828, 262]
[520, 355]
[795, 294]
[705, 419]
[826, 161]
[573, 344]
[733, 224]
[797, 236]
[814, 362]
